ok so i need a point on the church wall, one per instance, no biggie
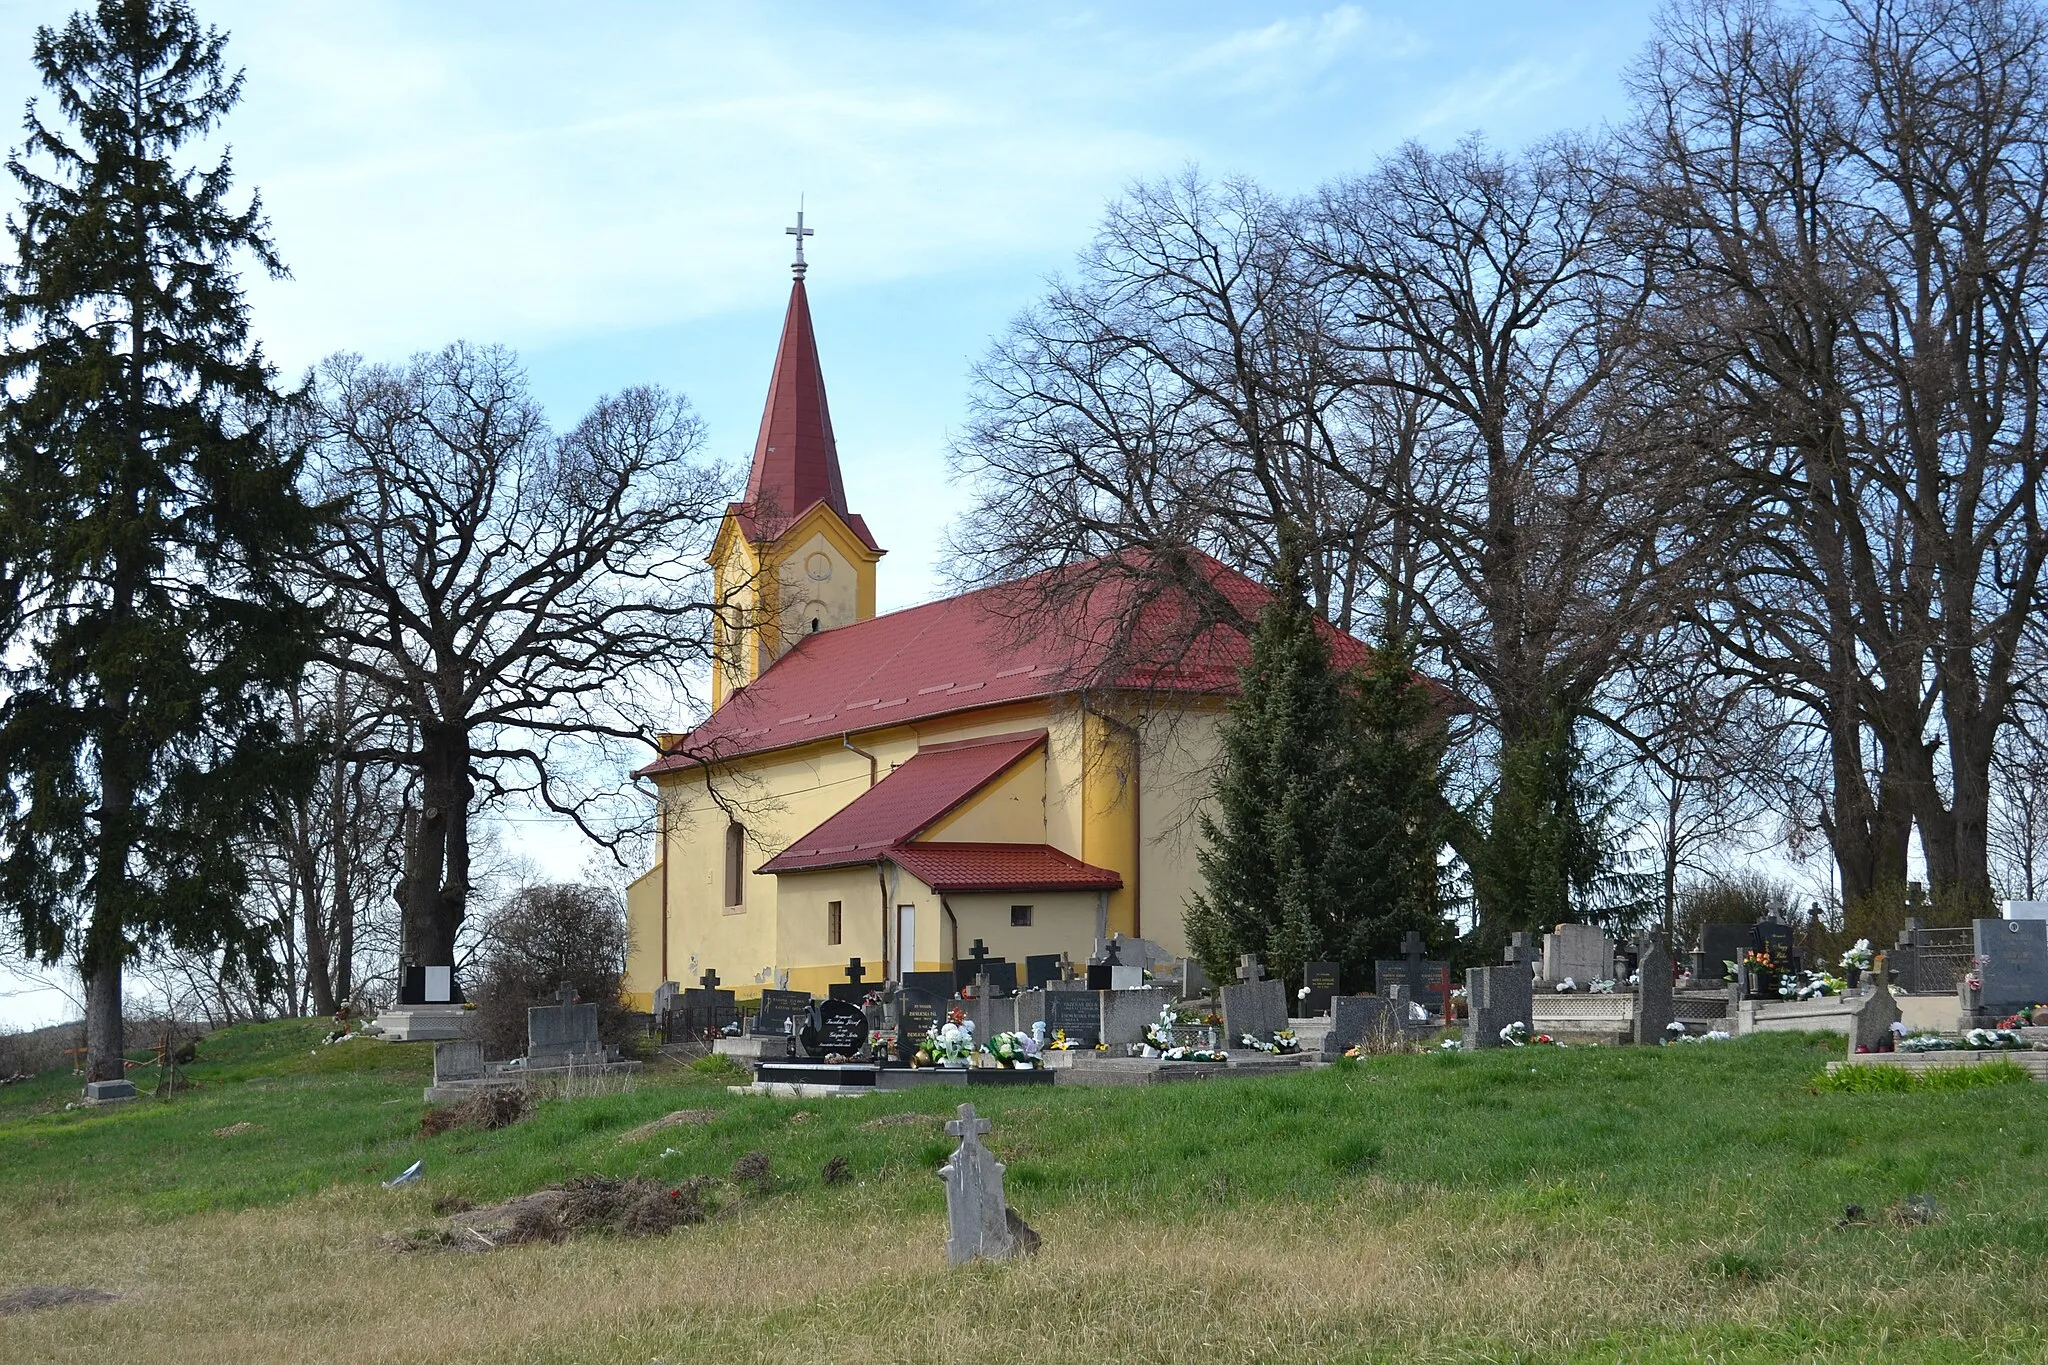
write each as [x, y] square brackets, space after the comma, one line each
[1061, 922]
[818, 581]
[1179, 751]
[643, 939]
[1010, 810]
[803, 944]
[1109, 800]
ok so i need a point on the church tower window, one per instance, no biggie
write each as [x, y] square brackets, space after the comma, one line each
[735, 864]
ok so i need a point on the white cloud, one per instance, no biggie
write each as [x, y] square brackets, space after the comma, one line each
[1286, 53]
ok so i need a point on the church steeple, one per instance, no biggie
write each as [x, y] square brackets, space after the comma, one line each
[791, 559]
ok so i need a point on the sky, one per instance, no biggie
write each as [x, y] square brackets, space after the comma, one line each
[604, 187]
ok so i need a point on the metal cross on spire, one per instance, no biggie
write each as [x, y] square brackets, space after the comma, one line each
[799, 232]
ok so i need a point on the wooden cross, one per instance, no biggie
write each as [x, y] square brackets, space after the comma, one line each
[854, 971]
[1249, 969]
[967, 1127]
[978, 952]
[709, 981]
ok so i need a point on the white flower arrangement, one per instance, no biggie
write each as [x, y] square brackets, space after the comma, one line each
[1515, 1034]
[1674, 1031]
[1567, 986]
[951, 1041]
[1927, 1042]
[1810, 985]
[1301, 994]
[1193, 1054]
[1859, 956]
[1992, 1039]
[1450, 1045]
[1602, 988]
[1712, 1035]
[1018, 1051]
[1283, 1041]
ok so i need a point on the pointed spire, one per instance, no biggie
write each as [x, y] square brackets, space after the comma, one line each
[796, 460]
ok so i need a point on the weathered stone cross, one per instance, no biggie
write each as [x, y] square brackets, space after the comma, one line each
[567, 994]
[1250, 969]
[968, 1127]
[975, 1210]
[709, 981]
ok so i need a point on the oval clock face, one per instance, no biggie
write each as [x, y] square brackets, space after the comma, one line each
[818, 566]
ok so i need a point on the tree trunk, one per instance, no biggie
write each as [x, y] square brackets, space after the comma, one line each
[435, 891]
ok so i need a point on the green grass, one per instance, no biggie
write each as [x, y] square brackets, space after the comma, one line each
[1729, 1166]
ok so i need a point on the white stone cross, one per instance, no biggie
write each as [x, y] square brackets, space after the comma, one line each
[969, 1126]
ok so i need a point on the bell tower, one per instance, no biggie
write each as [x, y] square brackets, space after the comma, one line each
[790, 560]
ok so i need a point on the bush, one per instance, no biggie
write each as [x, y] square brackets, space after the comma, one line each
[1742, 898]
[546, 937]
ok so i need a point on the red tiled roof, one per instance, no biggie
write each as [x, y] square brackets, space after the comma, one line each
[935, 780]
[796, 459]
[968, 651]
[960, 868]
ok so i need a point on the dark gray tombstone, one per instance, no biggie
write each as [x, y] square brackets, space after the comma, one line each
[1039, 968]
[938, 985]
[977, 1219]
[917, 1013]
[1354, 1019]
[562, 1033]
[778, 1008]
[707, 1009]
[2012, 963]
[1253, 1008]
[1192, 980]
[1870, 1027]
[1654, 1008]
[1774, 938]
[1720, 944]
[855, 988]
[1321, 978]
[428, 986]
[1427, 980]
[1496, 997]
[1076, 1013]
[1126, 1013]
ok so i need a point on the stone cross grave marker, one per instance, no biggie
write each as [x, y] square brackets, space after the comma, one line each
[1870, 1027]
[1250, 969]
[1521, 950]
[1654, 1009]
[977, 1218]
[850, 989]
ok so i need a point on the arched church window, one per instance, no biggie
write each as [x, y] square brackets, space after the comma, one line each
[735, 864]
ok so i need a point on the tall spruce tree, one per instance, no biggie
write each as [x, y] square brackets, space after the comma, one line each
[143, 516]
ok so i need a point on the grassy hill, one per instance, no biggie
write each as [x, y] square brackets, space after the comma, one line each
[1668, 1203]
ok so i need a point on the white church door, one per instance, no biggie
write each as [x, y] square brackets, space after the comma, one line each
[904, 959]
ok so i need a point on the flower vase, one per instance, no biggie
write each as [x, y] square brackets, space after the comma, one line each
[1853, 975]
[953, 1063]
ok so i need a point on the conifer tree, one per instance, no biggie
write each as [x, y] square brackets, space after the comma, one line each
[1275, 847]
[143, 516]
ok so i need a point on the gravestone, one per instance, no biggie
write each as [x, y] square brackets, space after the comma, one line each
[1428, 981]
[1870, 1027]
[918, 1012]
[1521, 950]
[2012, 958]
[1191, 980]
[105, 1092]
[1654, 1008]
[992, 1013]
[1577, 952]
[778, 1009]
[1039, 968]
[836, 1027]
[706, 1008]
[458, 1061]
[938, 985]
[1321, 980]
[428, 986]
[1496, 997]
[1254, 1007]
[562, 1034]
[1124, 977]
[1077, 1013]
[1002, 977]
[852, 989]
[977, 1218]
[1102, 967]
[1030, 1010]
[1720, 944]
[1356, 1018]
[665, 999]
[1126, 1013]
[964, 969]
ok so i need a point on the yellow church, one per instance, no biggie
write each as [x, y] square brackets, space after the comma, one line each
[895, 787]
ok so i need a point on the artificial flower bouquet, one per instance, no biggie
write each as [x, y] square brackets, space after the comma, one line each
[1810, 985]
[1858, 957]
[1015, 1051]
[1517, 1034]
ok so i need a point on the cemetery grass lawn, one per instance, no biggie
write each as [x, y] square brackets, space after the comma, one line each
[1585, 1204]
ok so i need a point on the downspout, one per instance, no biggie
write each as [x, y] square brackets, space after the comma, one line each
[874, 764]
[882, 882]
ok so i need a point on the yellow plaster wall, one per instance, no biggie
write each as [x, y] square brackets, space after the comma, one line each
[643, 939]
[1061, 922]
[1110, 793]
[1178, 756]
[770, 597]
[1010, 810]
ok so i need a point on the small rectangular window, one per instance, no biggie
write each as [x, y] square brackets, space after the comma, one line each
[1020, 917]
[832, 922]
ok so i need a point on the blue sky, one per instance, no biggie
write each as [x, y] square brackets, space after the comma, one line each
[603, 186]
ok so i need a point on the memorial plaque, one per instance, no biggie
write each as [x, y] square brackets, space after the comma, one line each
[1077, 1013]
[777, 1009]
[917, 1013]
[1321, 980]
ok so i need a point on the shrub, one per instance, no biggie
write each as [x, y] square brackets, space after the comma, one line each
[546, 937]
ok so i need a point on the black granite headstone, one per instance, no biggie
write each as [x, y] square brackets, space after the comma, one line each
[836, 1026]
[1100, 976]
[1040, 968]
[1721, 944]
[1321, 980]
[917, 1013]
[777, 1009]
[1077, 1013]
[938, 985]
